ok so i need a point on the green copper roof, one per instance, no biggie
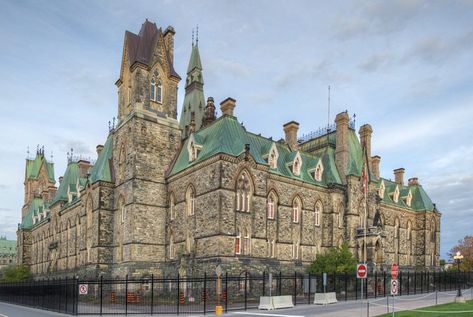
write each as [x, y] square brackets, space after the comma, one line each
[33, 167]
[227, 136]
[194, 61]
[7, 247]
[355, 159]
[68, 183]
[420, 200]
[101, 170]
[37, 206]
[194, 100]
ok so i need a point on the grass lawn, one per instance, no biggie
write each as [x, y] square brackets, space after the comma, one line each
[468, 306]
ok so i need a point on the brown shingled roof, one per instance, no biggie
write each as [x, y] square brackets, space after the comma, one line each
[140, 47]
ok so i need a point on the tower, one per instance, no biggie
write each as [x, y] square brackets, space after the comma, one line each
[194, 100]
[143, 147]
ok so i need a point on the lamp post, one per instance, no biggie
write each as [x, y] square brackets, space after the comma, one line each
[458, 257]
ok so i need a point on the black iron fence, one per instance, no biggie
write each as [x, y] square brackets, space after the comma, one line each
[199, 295]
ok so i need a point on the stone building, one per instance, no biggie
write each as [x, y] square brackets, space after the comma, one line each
[7, 252]
[167, 196]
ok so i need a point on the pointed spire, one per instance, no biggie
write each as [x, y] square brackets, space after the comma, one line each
[209, 112]
[197, 36]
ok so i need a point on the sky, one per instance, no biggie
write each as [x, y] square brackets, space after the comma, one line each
[405, 67]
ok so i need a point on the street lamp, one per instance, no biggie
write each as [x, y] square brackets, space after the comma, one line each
[458, 257]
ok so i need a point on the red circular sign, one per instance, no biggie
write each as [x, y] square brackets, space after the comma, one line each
[361, 271]
[394, 271]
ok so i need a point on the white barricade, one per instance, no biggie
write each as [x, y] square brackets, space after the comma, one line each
[282, 301]
[265, 302]
[325, 298]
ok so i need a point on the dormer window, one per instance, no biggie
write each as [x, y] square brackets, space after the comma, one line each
[396, 194]
[273, 156]
[317, 172]
[193, 149]
[155, 88]
[296, 165]
[381, 189]
[409, 198]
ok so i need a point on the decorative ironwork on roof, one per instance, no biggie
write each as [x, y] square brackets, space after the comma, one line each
[325, 130]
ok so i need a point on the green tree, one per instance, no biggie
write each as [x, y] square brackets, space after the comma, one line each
[16, 273]
[465, 246]
[337, 259]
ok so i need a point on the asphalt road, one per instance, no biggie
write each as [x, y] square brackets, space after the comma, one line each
[341, 309]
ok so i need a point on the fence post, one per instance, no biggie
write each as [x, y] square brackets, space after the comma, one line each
[280, 283]
[246, 289]
[126, 294]
[295, 288]
[308, 300]
[356, 288]
[101, 294]
[346, 286]
[415, 283]
[76, 295]
[400, 283]
[178, 293]
[408, 283]
[384, 284]
[226, 292]
[66, 285]
[205, 292]
[264, 280]
[152, 293]
[375, 284]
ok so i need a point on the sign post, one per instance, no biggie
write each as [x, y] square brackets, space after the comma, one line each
[361, 273]
[218, 308]
[394, 281]
[270, 283]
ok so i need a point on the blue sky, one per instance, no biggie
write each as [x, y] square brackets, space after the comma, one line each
[405, 67]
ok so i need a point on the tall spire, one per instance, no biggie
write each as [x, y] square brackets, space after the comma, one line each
[194, 100]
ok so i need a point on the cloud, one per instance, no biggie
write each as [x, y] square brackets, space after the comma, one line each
[261, 98]
[374, 62]
[223, 68]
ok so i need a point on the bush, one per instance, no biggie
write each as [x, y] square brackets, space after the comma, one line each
[337, 259]
[16, 273]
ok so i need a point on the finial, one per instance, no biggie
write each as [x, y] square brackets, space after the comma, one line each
[197, 36]
[192, 36]
[109, 126]
[37, 148]
[113, 125]
[52, 156]
[28, 152]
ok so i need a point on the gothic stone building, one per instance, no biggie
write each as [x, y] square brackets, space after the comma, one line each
[166, 196]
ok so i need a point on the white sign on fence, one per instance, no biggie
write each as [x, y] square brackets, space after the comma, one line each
[394, 287]
[83, 289]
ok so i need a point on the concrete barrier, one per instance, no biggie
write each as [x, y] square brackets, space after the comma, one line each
[265, 302]
[282, 301]
[325, 298]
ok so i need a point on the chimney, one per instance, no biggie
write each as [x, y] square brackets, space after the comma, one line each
[99, 149]
[365, 140]
[83, 168]
[341, 147]
[290, 129]
[375, 160]
[399, 176]
[227, 106]
[209, 112]
[169, 42]
[413, 181]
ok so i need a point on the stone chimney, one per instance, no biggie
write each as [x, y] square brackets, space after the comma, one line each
[399, 175]
[169, 41]
[290, 129]
[227, 106]
[83, 167]
[99, 149]
[341, 147]
[365, 140]
[413, 181]
[375, 160]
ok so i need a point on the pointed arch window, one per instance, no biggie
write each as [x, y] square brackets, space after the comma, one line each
[238, 243]
[273, 156]
[246, 242]
[272, 205]
[409, 198]
[190, 201]
[296, 165]
[171, 207]
[381, 189]
[396, 194]
[296, 210]
[159, 91]
[340, 215]
[243, 192]
[171, 246]
[317, 172]
[318, 212]
[295, 250]
[409, 230]
[156, 88]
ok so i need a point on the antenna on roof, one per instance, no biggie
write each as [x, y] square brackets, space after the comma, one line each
[328, 114]
[51, 156]
[192, 36]
[197, 36]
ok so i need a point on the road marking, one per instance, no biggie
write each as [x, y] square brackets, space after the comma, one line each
[2, 315]
[262, 314]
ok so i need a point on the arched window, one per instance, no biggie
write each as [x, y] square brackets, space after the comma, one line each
[272, 205]
[271, 248]
[246, 242]
[295, 250]
[159, 89]
[296, 166]
[152, 90]
[318, 171]
[190, 201]
[409, 230]
[244, 192]
[409, 198]
[171, 245]
[273, 156]
[381, 189]
[433, 230]
[238, 242]
[296, 209]
[171, 207]
[318, 212]
[396, 194]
